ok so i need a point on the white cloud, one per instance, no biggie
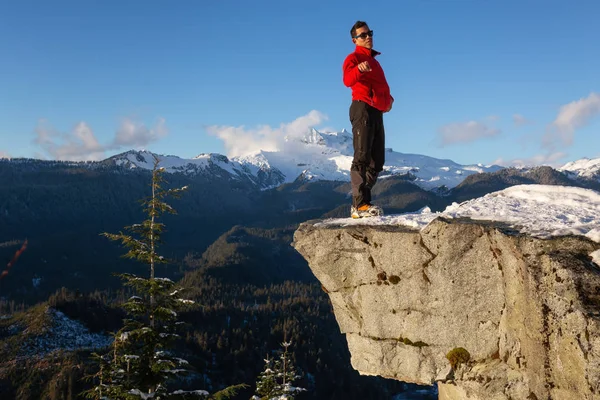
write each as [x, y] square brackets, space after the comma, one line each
[464, 132]
[571, 117]
[520, 120]
[551, 159]
[240, 141]
[134, 134]
[81, 144]
[4, 154]
[78, 145]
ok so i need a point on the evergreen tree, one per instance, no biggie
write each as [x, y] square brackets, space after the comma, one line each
[266, 383]
[275, 381]
[140, 363]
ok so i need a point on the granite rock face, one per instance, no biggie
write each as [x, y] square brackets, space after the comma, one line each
[524, 312]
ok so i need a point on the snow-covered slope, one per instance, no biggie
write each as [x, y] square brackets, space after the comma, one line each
[328, 156]
[568, 210]
[54, 331]
[584, 168]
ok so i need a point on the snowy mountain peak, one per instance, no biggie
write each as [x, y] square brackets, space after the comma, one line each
[328, 156]
[145, 159]
[313, 137]
[583, 168]
[259, 160]
[213, 157]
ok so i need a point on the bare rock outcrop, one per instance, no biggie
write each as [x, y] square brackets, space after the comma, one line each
[483, 311]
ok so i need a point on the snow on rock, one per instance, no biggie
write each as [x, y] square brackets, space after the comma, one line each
[164, 280]
[538, 210]
[63, 333]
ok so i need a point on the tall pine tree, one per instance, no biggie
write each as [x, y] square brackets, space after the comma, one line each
[141, 363]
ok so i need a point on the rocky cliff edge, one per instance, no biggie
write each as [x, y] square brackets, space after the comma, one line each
[477, 308]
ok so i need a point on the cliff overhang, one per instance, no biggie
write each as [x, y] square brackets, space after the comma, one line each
[473, 306]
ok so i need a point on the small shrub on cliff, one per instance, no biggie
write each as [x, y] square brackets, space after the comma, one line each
[458, 356]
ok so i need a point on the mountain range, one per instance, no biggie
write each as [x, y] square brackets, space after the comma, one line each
[325, 156]
[230, 238]
[62, 206]
[317, 156]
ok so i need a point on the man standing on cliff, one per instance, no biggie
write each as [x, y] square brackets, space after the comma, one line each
[370, 99]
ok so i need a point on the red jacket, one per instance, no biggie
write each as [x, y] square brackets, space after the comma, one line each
[370, 87]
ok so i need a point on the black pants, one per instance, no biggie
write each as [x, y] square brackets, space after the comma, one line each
[369, 150]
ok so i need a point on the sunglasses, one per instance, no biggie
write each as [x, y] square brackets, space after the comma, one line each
[364, 35]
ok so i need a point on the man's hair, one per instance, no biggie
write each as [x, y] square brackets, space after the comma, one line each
[357, 25]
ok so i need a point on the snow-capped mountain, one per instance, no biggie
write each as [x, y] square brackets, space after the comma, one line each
[217, 165]
[328, 156]
[585, 168]
[314, 156]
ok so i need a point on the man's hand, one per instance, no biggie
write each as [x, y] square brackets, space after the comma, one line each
[364, 66]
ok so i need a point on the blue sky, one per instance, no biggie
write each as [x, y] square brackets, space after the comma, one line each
[474, 81]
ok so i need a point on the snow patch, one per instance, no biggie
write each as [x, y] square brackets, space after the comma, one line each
[63, 333]
[142, 395]
[596, 257]
[192, 392]
[541, 211]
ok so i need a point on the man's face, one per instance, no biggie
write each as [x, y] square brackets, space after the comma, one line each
[363, 38]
